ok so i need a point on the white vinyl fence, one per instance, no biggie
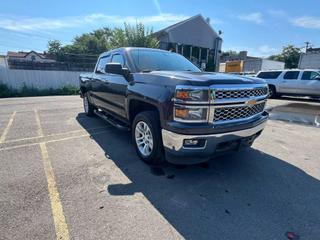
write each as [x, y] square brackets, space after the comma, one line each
[16, 79]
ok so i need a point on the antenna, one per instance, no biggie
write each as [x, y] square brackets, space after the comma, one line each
[307, 45]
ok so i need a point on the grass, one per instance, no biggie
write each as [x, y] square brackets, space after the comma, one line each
[6, 92]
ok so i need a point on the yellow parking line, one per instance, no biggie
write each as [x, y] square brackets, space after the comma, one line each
[55, 140]
[6, 130]
[59, 219]
[40, 132]
[54, 134]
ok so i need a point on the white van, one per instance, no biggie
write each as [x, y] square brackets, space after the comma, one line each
[292, 82]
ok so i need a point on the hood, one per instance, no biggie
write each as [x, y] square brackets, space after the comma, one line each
[194, 78]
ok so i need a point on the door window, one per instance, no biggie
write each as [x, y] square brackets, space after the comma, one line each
[269, 75]
[309, 75]
[102, 64]
[117, 58]
[291, 75]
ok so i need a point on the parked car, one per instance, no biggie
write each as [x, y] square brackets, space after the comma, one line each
[292, 82]
[173, 109]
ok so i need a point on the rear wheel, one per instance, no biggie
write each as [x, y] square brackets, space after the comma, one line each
[146, 135]
[87, 106]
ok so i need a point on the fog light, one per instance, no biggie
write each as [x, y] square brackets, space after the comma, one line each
[190, 142]
[194, 143]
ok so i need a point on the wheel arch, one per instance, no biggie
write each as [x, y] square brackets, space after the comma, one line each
[137, 105]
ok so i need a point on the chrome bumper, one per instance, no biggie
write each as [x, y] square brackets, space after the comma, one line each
[173, 142]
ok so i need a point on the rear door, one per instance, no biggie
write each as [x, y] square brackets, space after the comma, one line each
[307, 84]
[288, 82]
[99, 81]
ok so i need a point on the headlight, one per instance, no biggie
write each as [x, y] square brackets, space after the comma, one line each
[187, 94]
[190, 113]
[191, 104]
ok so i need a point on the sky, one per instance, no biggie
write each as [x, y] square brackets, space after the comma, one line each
[260, 27]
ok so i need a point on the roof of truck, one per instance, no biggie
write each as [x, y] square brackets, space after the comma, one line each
[126, 49]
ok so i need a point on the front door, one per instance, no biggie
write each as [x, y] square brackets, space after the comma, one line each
[308, 85]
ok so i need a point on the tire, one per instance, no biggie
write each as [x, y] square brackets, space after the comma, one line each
[272, 92]
[146, 127]
[87, 106]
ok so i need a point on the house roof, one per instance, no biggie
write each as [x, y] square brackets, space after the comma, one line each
[313, 50]
[22, 54]
[167, 29]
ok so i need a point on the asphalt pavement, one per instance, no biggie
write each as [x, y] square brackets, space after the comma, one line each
[64, 175]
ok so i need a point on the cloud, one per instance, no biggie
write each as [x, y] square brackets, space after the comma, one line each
[43, 25]
[307, 22]
[277, 13]
[260, 51]
[266, 50]
[255, 17]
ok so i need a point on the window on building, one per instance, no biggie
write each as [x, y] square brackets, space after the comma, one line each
[291, 75]
[269, 75]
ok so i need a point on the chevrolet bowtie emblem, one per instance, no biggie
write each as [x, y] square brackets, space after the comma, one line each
[251, 102]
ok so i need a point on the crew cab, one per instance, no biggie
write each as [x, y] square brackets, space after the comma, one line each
[175, 112]
[293, 82]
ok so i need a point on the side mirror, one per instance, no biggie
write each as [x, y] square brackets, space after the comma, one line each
[114, 68]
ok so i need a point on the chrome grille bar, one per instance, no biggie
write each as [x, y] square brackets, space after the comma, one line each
[234, 103]
[236, 113]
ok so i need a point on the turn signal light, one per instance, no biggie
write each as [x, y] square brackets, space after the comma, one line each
[181, 113]
[182, 95]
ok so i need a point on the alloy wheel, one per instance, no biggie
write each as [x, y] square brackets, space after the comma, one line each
[144, 138]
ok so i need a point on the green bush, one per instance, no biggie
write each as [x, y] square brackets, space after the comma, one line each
[5, 91]
[25, 91]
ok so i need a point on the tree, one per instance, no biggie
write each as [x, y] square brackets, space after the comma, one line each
[139, 36]
[94, 42]
[229, 53]
[290, 56]
[118, 38]
[54, 47]
[104, 39]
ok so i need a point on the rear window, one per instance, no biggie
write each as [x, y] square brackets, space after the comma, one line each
[309, 75]
[269, 75]
[291, 75]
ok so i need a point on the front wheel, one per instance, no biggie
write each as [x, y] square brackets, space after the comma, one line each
[146, 135]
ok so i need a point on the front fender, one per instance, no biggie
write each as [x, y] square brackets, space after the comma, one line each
[157, 95]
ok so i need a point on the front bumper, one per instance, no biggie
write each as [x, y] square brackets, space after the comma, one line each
[177, 152]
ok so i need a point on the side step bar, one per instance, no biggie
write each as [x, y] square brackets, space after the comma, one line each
[111, 120]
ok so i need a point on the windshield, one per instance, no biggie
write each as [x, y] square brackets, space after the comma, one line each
[151, 60]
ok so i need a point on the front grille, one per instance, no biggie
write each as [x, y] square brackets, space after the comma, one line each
[243, 93]
[237, 113]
